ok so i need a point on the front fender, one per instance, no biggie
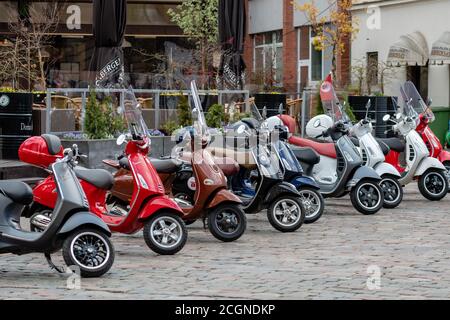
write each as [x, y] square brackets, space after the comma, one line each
[279, 189]
[82, 219]
[384, 168]
[305, 182]
[363, 173]
[223, 196]
[428, 163]
[159, 203]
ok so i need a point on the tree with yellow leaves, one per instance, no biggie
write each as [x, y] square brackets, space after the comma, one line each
[333, 30]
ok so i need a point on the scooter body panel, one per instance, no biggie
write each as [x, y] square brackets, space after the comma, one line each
[416, 152]
[304, 181]
[280, 188]
[429, 163]
[223, 196]
[156, 204]
[384, 168]
[363, 173]
[84, 219]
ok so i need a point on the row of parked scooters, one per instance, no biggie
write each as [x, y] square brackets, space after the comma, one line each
[258, 164]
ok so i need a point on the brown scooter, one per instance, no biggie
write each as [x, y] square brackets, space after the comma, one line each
[212, 199]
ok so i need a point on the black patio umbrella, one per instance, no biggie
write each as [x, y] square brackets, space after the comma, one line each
[109, 22]
[232, 23]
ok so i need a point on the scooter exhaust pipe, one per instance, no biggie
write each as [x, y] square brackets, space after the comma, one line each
[40, 221]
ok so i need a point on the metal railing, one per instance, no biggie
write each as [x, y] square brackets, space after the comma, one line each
[84, 92]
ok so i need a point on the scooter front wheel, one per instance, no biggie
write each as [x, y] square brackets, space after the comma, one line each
[313, 203]
[367, 197]
[227, 222]
[392, 192]
[433, 185]
[90, 250]
[286, 214]
[165, 233]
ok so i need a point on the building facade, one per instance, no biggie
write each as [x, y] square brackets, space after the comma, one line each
[411, 36]
[279, 52]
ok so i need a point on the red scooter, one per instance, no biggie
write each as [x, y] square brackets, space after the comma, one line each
[150, 209]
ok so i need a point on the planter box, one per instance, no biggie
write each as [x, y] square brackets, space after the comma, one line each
[16, 122]
[271, 102]
[99, 150]
[380, 106]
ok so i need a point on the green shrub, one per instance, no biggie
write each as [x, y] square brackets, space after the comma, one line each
[101, 120]
[184, 112]
[215, 116]
[169, 127]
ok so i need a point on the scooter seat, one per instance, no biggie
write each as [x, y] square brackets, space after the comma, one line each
[167, 166]
[226, 164]
[394, 144]
[99, 178]
[324, 149]
[306, 155]
[18, 192]
[243, 158]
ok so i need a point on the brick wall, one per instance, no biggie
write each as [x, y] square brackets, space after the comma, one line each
[289, 48]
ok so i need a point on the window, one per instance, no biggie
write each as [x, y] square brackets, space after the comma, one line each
[372, 68]
[316, 60]
[269, 57]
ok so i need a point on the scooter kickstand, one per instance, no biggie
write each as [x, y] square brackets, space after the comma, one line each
[204, 223]
[52, 265]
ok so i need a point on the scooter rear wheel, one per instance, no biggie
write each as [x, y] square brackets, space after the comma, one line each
[286, 214]
[165, 233]
[367, 197]
[433, 185]
[90, 250]
[227, 222]
[392, 191]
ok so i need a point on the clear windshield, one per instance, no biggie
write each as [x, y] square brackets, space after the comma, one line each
[267, 162]
[255, 112]
[200, 126]
[417, 103]
[330, 103]
[408, 105]
[133, 115]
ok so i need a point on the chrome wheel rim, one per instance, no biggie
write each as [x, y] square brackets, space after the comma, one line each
[369, 196]
[227, 222]
[434, 183]
[311, 203]
[166, 232]
[390, 190]
[287, 212]
[90, 250]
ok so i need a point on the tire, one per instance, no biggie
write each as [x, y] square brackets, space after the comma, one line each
[313, 204]
[392, 191]
[361, 200]
[227, 222]
[78, 242]
[447, 166]
[168, 226]
[433, 185]
[294, 219]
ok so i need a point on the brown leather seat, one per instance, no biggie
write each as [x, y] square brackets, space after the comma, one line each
[243, 158]
[228, 165]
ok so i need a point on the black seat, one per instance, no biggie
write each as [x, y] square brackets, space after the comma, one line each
[394, 144]
[53, 143]
[18, 192]
[306, 155]
[384, 147]
[99, 178]
[124, 163]
[165, 165]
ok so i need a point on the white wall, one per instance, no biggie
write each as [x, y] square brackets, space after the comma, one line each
[324, 7]
[265, 15]
[430, 17]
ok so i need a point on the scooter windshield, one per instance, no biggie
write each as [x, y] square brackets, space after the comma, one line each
[200, 126]
[417, 103]
[267, 162]
[133, 116]
[255, 113]
[330, 103]
[408, 105]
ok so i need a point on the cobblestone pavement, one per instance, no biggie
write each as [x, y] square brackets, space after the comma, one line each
[327, 260]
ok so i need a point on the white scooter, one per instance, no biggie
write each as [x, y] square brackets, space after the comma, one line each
[430, 173]
[373, 154]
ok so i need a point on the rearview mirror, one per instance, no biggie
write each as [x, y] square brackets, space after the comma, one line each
[429, 102]
[386, 118]
[398, 116]
[317, 123]
[121, 139]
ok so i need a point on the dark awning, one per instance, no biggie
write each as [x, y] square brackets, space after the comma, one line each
[109, 22]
